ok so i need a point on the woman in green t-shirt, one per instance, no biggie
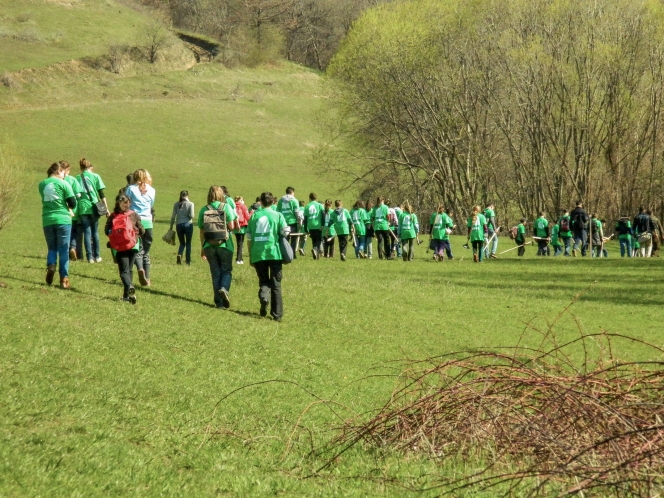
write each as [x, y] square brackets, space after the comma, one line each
[408, 229]
[359, 216]
[58, 203]
[369, 231]
[476, 232]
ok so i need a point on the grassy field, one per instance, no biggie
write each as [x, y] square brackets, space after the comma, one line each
[102, 398]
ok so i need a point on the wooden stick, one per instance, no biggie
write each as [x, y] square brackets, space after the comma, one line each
[522, 245]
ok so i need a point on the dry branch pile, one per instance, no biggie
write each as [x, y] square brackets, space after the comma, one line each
[543, 421]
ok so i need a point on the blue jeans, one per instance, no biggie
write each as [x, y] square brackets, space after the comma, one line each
[567, 242]
[57, 241]
[359, 247]
[557, 250]
[625, 245]
[442, 247]
[90, 225]
[220, 260]
[185, 232]
[492, 248]
[581, 238]
[368, 245]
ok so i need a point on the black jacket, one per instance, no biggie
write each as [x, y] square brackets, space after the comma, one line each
[579, 219]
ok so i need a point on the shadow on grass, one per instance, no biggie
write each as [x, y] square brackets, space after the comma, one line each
[72, 289]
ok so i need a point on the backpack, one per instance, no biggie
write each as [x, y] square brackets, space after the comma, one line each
[623, 229]
[514, 232]
[578, 222]
[241, 218]
[644, 223]
[564, 224]
[123, 234]
[215, 228]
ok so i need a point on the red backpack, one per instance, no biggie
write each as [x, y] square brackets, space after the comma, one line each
[123, 234]
[242, 215]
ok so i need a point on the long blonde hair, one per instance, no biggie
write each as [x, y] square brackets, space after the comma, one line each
[476, 211]
[407, 207]
[142, 178]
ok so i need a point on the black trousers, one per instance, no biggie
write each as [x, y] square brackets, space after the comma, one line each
[316, 240]
[328, 247]
[125, 260]
[294, 241]
[343, 243]
[269, 286]
[384, 241]
[239, 238]
[521, 250]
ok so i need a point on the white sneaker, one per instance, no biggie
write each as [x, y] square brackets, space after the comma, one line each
[98, 260]
[239, 262]
[91, 260]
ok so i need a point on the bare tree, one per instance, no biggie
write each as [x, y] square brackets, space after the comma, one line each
[157, 38]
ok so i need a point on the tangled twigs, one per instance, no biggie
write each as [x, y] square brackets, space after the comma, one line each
[544, 422]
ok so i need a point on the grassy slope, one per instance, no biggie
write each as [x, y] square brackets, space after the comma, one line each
[102, 398]
[35, 33]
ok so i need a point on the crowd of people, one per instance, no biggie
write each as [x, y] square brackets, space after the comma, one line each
[277, 230]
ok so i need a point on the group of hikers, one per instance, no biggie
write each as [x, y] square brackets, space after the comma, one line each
[277, 230]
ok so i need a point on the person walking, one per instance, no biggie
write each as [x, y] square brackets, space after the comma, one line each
[313, 224]
[580, 221]
[216, 221]
[243, 221]
[644, 228]
[124, 228]
[492, 234]
[379, 216]
[142, 197]
[625, 233]
[368, 230]
[289, 207]
[565, 231]
[476, 232]
[265, 229]
[343, 226]
[520, 238]
[359, 217]
[74, 249]
[541, 228]
[183, 218]
[408, 229]
[657, 233]
[58, 203]
[329, 232]
[555, 240]
[597, 236]
[93, 192]
[440, 228]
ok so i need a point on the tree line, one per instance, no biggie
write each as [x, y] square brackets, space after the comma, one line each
[256, 31]
[533, 104]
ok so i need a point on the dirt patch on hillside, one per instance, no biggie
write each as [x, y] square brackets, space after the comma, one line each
[65, 3]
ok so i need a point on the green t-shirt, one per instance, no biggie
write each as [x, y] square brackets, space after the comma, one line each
[477, 227]
[440, 222]
[554, 235]
[540, 226]
[328, 230]
[359, 217]
[408, 225]
[340, 218]
[94, 183]
[264, 232]
[521, 231]
[231, 215]
[313, 214]
[54, 193]
[379, 217]
[76, 188]
[488, 214]
[229, 200]
[288, 208]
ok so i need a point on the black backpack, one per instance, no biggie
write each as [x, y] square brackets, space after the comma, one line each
[578, 222]
[643, 223]
[623, 229]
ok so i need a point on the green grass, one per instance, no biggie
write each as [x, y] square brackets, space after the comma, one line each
[35, 33]
[101, 398]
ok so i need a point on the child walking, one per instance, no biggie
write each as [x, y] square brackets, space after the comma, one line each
[408, 230]
[124, 230]
[477, 229]
[343, 226]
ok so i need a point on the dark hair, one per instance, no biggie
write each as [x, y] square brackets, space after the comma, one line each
[338, 203]
[641, 209]
[312, 196]
[301, 203]
[541, 213]
[649, 212]
[225, 190]
[379, 200]
[53, 169]
[267, 199]
[449, 211]
[130, 178]
[359, 205]
[290, 190]
[119, 200]
[183, 197]
[579, 203]
[258, 199]
[328, 203]
[369, 203]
